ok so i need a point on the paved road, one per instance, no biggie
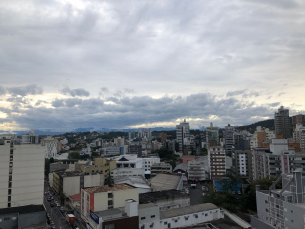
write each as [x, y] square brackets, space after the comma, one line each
[195, 194]
[55, 214]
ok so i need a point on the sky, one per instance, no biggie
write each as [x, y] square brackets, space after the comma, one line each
[67, 64]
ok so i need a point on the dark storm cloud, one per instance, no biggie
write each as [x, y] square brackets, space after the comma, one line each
[137, 110]
[75, 92]
[31, 89]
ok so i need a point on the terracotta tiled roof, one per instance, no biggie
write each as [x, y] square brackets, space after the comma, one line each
[75, 197]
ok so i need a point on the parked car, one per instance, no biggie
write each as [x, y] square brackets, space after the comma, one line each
[58, 205]
[49, 199]
[52, 205]
[61, 209]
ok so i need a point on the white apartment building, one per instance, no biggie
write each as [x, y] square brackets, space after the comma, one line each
[217, 162]
[50, 147]
[198, 169]
[21, 173]
[299, 135]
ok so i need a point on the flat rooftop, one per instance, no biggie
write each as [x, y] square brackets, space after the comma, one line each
[165, 182]
[151, 197]
[69, 173]
[187, 210]
[106, 188]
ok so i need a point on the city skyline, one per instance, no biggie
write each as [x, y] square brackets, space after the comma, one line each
[70, 64]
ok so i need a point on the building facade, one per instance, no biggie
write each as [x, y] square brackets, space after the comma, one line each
[282, 123]
[229, 138]
[242, 162]
[183, 135]
[50, 147]
[160, 168]
[298, 119]
[21, 173]
[198, 169]
[217, 162]
[212, 136]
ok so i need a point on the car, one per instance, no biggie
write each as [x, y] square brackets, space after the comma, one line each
[52, 225]
[65, 214]
[45, 193]
[61, 209]
[52, 205]
[49, 199]
[58, 205]
[74, 226]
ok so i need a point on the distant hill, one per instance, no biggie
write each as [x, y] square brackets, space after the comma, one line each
[269, 123]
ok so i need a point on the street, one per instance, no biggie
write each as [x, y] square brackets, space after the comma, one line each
[54, 212]
[195, 194]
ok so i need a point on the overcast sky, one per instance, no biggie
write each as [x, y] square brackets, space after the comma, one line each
[67, 64]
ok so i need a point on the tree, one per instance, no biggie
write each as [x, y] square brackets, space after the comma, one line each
[73, 155]
[52, 160]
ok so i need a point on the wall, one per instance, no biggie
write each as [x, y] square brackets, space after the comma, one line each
[132, 222]
[9, 223]
[93, 180]
[25, 220]
[147, 212]
[4, 174]
[293, 215]
[120, 196]
[258, 224]
[71, 185]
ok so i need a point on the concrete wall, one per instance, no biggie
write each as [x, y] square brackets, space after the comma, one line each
[71, 185]
[13, 221]
[93, 180]
[146, 213]
[120, 196]
[293, 216]
[4, 174]
[101, 201]
[258, 224]
[262, 204]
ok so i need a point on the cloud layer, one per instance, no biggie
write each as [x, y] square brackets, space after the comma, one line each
[77, 63]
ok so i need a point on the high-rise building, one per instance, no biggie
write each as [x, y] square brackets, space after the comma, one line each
[183, 135]
[229, 138]
[217, 162]
[298, 119]
[163, 136]
[261, 135]
[21, 173]
[145, 133]
[30, 138]
[212, 136]
[242, 162]
[50, 146]
[282, 123]
[132, 134]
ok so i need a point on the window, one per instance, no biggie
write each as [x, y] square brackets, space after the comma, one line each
[110, 202]
[153, 216]
[14, 218]
[110, 226]
[165, 223]
[110, 195]
[7, 218]
[142, 218]
[206, 214]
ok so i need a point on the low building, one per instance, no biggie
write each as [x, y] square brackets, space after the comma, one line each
[165, 200]
[119, 172]
[22, 217]
[116, 218]
[70, 164]
[102, 198]
[149, 217]
[160, 168]
[100, 165]
[70, 183]
[74, 200]
[166, 182]
[186, 158]
[138, 181]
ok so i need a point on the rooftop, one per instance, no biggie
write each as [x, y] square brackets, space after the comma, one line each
[22, 210]
[182, 166]
[76, 197]
[165, 182]
[187, 210]
[106, 188]
[150, 197]
[113, 211]
[68, 173]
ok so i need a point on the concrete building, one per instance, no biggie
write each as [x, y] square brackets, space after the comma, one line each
[242, 163]
[30, 138]
[186, 158]
[299, 135]
[120, 172]
[166, 182]
[282, 123]
[281, 208]
[74, 200]
[100, 165]
[115, 218]
[161, 167]
[183, 135]
[198, 169]
[298, 119]
[229, 138]
[138, 182]
[212, 136]
[104, 197]
[261, 135]
[132, 134]
[135, 149]
[50, 147]
[145, 133]
[114, 150]
[70, 164]
[163, 136]
[70, 183]
[217, 162]
[28, 216]
[150, 217]
[180, 168]
[277, 159]
[166, 199]
[119, 141]
[21, 173]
